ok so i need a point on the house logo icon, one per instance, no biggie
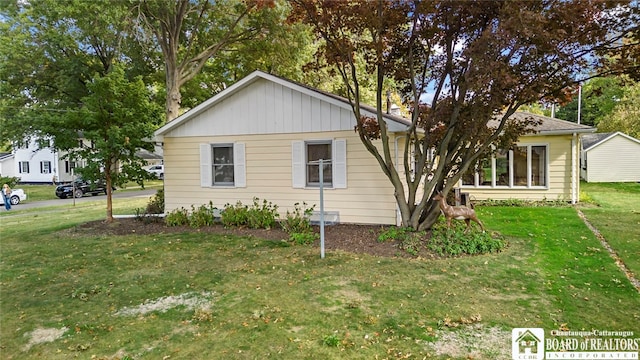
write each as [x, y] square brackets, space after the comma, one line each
[527, 344]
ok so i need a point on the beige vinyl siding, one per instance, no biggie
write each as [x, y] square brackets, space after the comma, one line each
[559, 177]
[368, 198]
[614, 160]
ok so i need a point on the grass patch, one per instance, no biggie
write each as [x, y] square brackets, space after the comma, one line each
[218, 296]
[617, 217]
[48, 191]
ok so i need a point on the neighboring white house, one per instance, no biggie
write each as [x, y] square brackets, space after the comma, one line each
[36, 163]
[261, 136]
[7, 168]
[610, 157]
[39, 162]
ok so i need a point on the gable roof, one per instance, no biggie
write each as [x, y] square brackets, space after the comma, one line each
[593, 140]
[553, 126]
[4, 156]
[395, 123]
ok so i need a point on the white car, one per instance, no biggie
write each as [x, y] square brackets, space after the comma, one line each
[158, 170]
[17, 195]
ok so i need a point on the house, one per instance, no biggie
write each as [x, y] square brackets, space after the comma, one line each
[544, 165]
[610, 157]
[261, 136]
[39, 162]
[7, 167]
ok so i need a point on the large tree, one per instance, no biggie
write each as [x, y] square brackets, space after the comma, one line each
[189, 33]
[482, 60]
[625, 116]
[49, 52]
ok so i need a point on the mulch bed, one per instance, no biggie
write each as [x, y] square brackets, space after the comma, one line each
[345, 237]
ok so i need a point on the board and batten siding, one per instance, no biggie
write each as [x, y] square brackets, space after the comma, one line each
[367, 199]
[559, 177]
[266, 107]
[614, 160]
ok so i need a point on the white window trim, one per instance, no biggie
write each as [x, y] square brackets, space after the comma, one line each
[529, 146]
[239, 165]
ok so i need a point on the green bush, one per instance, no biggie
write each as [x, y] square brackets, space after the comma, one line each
[11, 181]
[177, 217]
[297, 224]
[297, 221]
[202, 216]
[156, 203]
[455, 242]
[263, 216]
[257, 216]
[235, 215]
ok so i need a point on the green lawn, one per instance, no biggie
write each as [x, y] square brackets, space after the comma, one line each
[617, 217]
[48, 191]
[202, 296]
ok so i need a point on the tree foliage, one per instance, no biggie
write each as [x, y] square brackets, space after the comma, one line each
[625, 116]
[599, 98]
[189, 33]
[119, 117]
[482, 60]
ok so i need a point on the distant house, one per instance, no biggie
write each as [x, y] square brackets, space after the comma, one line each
[7, 167]
[610, 157]
[261, 136]
[39, 162]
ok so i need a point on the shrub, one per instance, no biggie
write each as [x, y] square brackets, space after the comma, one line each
[256, 217]
[234, 215]
[202, 216]
[262, 216]
[156, 203]
[454, 241]
[11, 181]
[177, 217]
[298, 221]
[298, 225]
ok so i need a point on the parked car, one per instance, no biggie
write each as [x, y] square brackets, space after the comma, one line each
[82, 188]
[17, 195]
[157, 170]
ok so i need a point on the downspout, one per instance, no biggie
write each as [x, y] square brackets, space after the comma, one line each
[574, 171]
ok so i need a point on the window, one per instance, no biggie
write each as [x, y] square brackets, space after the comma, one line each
[306, 169]
[69, 166]
[316, 151]
[45, 167]
[222, 165]
[524, 166]
[23, 167]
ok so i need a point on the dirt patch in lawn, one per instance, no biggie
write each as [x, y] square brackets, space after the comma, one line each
[345, 237]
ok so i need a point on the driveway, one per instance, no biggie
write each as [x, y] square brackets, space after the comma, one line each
[69, 202]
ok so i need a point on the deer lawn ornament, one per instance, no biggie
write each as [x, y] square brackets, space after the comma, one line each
[457, 212]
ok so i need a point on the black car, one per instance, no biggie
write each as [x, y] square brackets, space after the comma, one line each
[82, 187]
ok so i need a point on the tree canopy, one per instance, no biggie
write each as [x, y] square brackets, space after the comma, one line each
[481, 61]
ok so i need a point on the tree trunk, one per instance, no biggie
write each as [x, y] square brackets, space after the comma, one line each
[108, 182]
[173, 94]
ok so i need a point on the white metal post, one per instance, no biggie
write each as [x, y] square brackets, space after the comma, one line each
[321, 164]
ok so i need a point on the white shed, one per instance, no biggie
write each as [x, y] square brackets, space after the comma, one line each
[610, 157]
